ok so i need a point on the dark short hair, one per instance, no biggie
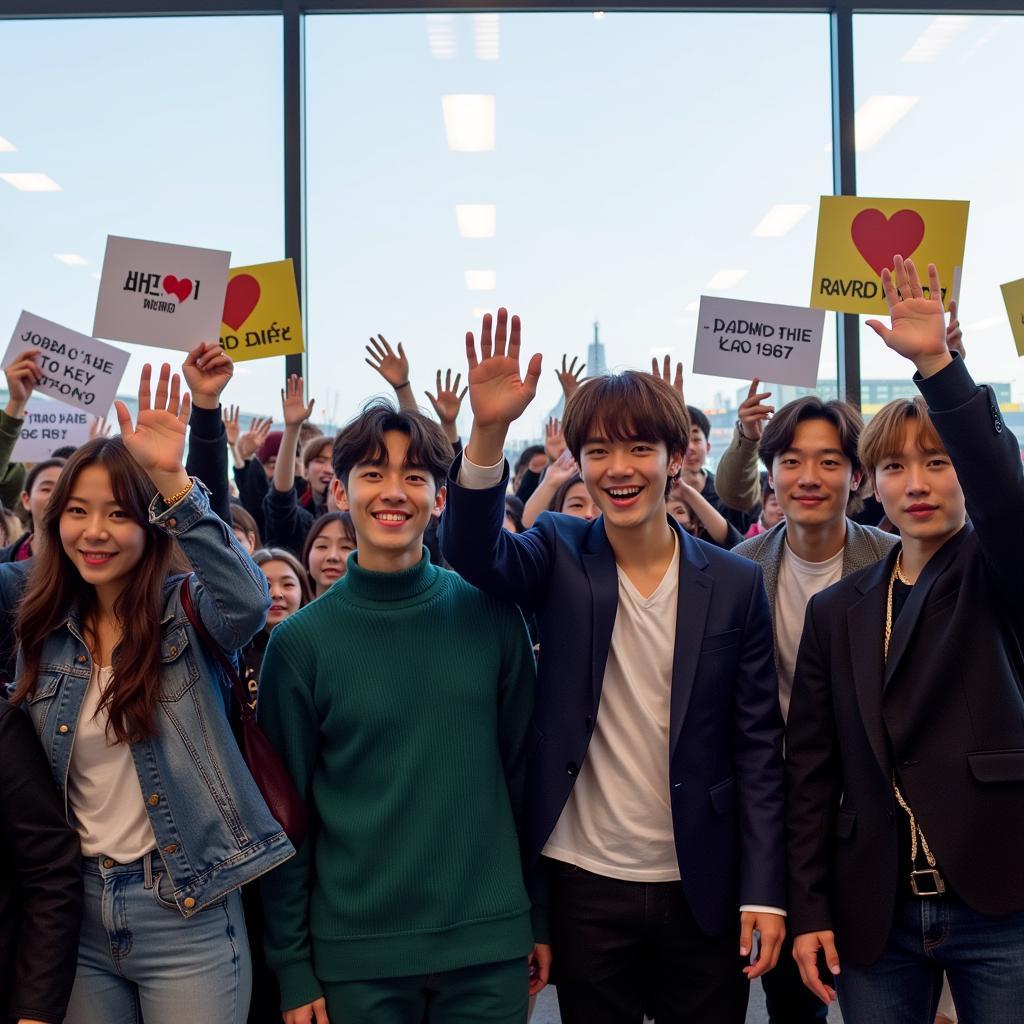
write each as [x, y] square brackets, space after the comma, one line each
[30, 481]
[625, 406]
[563, 492]
[781, 429]
[64, 452]
[362, 440]
[698, 419]
[318, 527]
[241, 520]
[312, 448]
[514, 510]
[528, 453]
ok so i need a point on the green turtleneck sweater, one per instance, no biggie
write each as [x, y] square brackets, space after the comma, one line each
[400, 703]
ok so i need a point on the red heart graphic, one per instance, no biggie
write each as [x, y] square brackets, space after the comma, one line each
[181, 290]
[878, 239]
[240, 300]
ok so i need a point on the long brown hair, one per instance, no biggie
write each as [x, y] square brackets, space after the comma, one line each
[54, 588]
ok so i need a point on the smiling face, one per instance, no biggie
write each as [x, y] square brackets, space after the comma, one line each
[813, 478]
[34, 502]
[318, 469]
[328, 555]
[579, 503]
[99, 538]
[285, 591]
[697, 449]
[627, 479]
[920, 492]
[391, 502]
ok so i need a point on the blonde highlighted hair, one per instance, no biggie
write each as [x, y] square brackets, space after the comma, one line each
[883, 437]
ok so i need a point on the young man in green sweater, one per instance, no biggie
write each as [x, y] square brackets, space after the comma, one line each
[400, 701]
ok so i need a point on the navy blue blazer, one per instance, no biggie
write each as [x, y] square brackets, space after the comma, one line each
[725, 761]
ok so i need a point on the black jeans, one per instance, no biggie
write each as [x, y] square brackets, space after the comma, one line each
[788, 999]
[623, 948]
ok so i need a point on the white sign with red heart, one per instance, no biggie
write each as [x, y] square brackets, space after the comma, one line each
[168, 296]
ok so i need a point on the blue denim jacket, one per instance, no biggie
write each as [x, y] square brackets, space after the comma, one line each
[212, 827]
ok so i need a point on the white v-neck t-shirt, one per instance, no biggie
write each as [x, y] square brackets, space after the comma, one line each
[103, 786]
[618, 819]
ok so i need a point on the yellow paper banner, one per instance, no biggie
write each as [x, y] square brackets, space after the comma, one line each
[859, 236]
[261, 312]
[1013, 296]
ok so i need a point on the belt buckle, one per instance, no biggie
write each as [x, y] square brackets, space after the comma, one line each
[932, 876]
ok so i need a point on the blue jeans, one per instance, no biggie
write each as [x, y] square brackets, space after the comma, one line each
[140, 960]
[982, 957]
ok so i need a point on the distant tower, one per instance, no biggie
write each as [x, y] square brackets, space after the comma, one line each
[596, 366]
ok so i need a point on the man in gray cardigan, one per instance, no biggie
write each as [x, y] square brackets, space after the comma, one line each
[810, 451]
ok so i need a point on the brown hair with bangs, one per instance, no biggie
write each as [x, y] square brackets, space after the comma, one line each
[55, 587]
[313, 447]
[362, 440]
[884, 435]
[626, 406]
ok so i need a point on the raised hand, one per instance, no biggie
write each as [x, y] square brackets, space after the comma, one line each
[954, 335]
[497, 393]
[22, 376]
[394, 368]
[665, 373]
[249, 443]
[752, 413]
[157, 440]
[99, 427]
[448, 400]
[295, 410]
[918, 330]
[207, 371]
[569, 376]
[562, 469]
[554, 439]
[230, 420]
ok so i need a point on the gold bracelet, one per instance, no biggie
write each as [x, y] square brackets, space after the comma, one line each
[175, 498]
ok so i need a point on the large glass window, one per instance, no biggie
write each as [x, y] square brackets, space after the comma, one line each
[930, 90]
[575, 168]
[161, 128]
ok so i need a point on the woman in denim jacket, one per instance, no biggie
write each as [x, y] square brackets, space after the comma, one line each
[131, 712]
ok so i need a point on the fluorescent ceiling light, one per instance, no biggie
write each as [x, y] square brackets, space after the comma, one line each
[31, 181]
[476, 220]
[693, 307]
[779, 219]
[481, 280]
[6, 147]
[441, 36]
[469, 122]
[726, 279]
[877, 116]
[486, 35]
[72, 259]
[930, 44]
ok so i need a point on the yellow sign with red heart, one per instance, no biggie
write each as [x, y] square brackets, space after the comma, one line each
[857, 237]
[261, 312]
[1013, 296]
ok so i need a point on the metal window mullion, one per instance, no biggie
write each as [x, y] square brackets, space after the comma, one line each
[294, 163]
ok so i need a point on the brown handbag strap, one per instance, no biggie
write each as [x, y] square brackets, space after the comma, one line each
[214, 648]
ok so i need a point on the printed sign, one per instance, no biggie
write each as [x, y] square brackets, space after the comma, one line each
[857, 237]
[77, 370]
[151, 293]
[47, 427]
[758, 339]
[1013, 296]
[261, 312]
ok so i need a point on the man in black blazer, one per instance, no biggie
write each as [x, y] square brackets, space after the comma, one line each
[654, 788]
[905, 741]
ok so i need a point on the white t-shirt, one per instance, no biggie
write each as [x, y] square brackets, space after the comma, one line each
[103, 786]
[799, 581]
[618, 819]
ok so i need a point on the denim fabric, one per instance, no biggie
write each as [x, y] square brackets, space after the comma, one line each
[980, 955]
[139, 959]
[211, 824]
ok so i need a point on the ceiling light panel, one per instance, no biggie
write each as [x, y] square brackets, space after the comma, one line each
[726, 279]
[481, 280]
[486, 36]
[780, 219]
[441, 36]
[469, 122]
[31, 181]
[476, 220]
[931, 43]
[878, 116]
[72, 259]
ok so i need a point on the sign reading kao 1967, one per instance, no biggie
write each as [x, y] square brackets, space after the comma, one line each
[152, 293]
[48, 426]
[77, 370]
[758, 339]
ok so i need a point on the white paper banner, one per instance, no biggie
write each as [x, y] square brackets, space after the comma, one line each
[169, 296]
[49, 426]
[78, 370]
[779, 344]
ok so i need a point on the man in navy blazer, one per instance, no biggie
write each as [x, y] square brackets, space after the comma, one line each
[654, 804]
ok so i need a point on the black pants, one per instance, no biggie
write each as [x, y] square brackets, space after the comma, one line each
[788, 999]
[623, 948]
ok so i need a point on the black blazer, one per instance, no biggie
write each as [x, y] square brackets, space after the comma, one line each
[725, 728]
[40, 880]
[946, 711]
